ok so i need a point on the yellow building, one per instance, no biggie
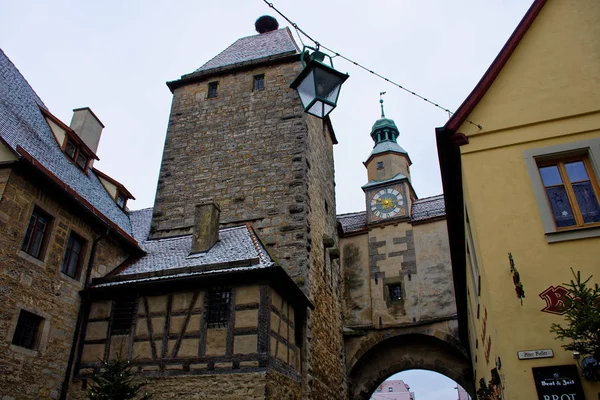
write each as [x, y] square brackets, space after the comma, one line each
[525, 182]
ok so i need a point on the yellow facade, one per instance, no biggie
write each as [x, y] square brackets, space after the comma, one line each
[544, 103]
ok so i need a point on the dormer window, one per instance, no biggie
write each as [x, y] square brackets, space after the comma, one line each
[77, 154]
[116, 190]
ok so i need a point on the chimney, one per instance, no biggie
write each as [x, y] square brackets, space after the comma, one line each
[87, 126]
[206, 227]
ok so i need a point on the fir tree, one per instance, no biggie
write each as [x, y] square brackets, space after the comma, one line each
[583, 318]
[115, 382]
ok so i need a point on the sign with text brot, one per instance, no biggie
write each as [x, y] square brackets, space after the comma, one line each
[560, 382]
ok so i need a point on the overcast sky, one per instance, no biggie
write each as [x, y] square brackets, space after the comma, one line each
[115, 57]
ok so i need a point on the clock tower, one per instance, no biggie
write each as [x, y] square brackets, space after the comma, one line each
[389, 193]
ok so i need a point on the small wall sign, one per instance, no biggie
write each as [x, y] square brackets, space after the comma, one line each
[530, 354]
[560, 382]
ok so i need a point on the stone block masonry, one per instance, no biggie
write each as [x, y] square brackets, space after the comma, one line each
[39, 287]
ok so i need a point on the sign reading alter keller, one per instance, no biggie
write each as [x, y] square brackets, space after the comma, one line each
[559, 382]
[530, 354]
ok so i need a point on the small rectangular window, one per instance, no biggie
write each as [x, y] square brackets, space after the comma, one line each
[218, 308]
[70, 149]
[571, 191]
[37, 233]
[27, 330]
[122, 316]
[72, 260]
[212, 89]
[390, 389]
[121, 200]
[259, 82]
[395, 292]
[82, 161]
[379, 164]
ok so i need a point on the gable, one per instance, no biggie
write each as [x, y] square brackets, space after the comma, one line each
[552, 73]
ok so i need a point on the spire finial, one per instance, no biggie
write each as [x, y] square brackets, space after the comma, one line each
[381, 102]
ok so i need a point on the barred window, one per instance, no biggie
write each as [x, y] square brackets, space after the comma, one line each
[27, 330]
[122, 317]
[218, 302]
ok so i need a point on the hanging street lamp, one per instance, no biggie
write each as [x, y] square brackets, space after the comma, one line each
[318, 84]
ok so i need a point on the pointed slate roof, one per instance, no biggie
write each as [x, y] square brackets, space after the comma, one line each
[23, 128]
[254, 47]
[270, 46]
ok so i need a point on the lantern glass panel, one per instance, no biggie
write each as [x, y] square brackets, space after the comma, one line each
[328, 84]
[306, 89]
[320, 109]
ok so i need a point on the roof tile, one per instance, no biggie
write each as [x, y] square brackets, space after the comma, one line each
[237, 247]
[253, 48]
[422, 210]
[22, 124]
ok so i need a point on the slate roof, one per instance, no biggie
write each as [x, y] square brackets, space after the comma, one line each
[254, 48]
[238, 248]
[387, 146]
[397, 177]
[422, 210]
[22, 124]
[427, 208]
[353, 222]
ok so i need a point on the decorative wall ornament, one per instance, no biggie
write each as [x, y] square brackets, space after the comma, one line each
[516, 279]
[556, 299]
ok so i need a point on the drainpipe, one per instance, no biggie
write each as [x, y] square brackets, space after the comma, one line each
[83, 311]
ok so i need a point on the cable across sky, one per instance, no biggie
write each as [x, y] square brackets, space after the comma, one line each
[301, 33]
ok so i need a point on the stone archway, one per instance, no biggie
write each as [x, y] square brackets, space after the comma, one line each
[403, 352]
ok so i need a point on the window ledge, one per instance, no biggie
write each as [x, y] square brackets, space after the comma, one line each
[31, 259]
[574, 234]
[23, 350]
[70, 279]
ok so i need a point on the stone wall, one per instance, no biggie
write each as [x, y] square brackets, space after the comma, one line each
[245, 150]
[324, 369]
[37, 285]
[415, 256]
[247, 386]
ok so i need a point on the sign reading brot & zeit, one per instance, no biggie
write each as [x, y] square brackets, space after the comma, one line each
[530, 354]
[559, 382]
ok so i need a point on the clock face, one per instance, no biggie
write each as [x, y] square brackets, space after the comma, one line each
[386, 203]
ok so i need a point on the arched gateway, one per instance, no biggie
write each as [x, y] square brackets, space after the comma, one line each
[380, 354]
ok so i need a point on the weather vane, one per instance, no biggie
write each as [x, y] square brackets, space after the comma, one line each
[381, 102]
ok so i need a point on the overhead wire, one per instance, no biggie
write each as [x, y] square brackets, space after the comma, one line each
[300, 32]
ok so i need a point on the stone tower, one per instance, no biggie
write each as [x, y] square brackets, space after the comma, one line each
[237, 135]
